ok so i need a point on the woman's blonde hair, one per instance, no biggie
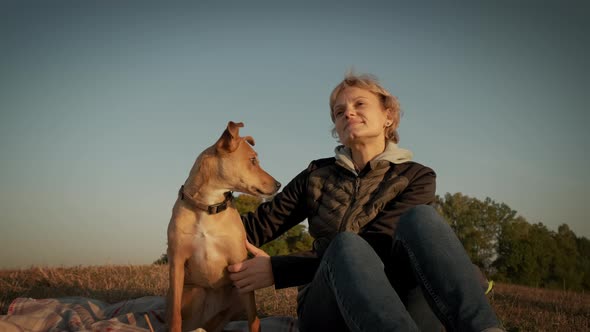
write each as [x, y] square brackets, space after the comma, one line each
[371, 84]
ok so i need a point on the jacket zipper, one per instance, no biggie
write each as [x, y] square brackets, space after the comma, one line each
[345, 220]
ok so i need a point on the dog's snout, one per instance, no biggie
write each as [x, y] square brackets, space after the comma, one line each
[277, 184]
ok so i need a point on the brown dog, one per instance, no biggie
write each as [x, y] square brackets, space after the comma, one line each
[206, 234]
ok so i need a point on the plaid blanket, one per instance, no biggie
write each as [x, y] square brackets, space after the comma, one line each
[84, 314]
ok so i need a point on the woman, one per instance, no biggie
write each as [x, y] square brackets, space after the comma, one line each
[376, 237]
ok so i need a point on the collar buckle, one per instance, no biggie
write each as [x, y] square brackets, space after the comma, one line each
[210, 209]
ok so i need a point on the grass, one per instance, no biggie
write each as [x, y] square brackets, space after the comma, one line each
[534, 309]
[520, 308]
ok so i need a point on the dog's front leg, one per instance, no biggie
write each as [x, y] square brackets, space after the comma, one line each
[174, 301]
[249, 301]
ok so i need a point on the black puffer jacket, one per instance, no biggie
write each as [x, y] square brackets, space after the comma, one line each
[334, 197]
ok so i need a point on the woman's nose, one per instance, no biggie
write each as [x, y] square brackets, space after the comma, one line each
[349, 112]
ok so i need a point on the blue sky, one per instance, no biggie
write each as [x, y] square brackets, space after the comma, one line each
[105, 105]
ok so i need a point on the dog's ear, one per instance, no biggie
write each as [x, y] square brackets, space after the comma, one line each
[249, 139]
[229, 140]
[234, 128]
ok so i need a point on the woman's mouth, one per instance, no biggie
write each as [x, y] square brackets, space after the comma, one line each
[353, 123]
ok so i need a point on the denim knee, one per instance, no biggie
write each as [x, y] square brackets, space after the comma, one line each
[346, 241]
[348, 246]
[421, 220]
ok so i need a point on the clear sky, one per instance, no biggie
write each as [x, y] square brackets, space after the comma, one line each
[104, 105]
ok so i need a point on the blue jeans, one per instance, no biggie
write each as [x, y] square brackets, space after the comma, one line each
[351, 291]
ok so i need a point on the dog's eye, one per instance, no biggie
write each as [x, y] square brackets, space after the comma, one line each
[254, 161]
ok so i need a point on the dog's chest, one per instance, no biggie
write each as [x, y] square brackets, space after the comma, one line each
[213, 249]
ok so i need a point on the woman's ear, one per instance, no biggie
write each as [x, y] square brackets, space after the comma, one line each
[392, 118]
[389, 118]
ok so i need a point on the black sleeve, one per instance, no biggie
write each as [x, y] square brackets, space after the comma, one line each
[275, 217]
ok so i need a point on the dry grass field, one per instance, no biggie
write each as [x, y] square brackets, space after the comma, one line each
[520, 308]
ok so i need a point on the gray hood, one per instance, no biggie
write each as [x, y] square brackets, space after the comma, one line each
[392, 153]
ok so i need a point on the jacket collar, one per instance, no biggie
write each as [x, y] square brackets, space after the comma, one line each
[391, 154]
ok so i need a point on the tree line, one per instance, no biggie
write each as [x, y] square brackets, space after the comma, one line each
[503, 244]
[511, 249]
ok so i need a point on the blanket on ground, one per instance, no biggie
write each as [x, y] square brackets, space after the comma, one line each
[84, 314]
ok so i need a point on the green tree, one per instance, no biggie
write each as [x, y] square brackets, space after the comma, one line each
[525, 253]
[246, 203]
[476, 223]
[512, 252]
[565, 272]
[162, 260]
[294, 240]
[584, 261]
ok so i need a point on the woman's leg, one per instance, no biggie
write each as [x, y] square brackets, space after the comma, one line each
[444, 270]
[350, 291]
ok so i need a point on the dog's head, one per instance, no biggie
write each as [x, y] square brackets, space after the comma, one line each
[239, 166]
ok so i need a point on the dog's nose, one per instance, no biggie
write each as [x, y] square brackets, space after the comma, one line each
[277, 184]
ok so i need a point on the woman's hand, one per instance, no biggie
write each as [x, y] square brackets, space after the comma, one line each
[254, 273]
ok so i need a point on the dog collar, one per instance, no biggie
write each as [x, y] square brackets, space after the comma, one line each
[210, 209]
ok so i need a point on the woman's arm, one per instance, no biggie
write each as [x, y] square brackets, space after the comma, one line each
[266, 223]
[264, 271]
[273, 218]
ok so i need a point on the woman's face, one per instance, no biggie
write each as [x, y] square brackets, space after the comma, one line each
[359, 117]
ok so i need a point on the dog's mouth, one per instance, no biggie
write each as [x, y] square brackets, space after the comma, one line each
[259, 192]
